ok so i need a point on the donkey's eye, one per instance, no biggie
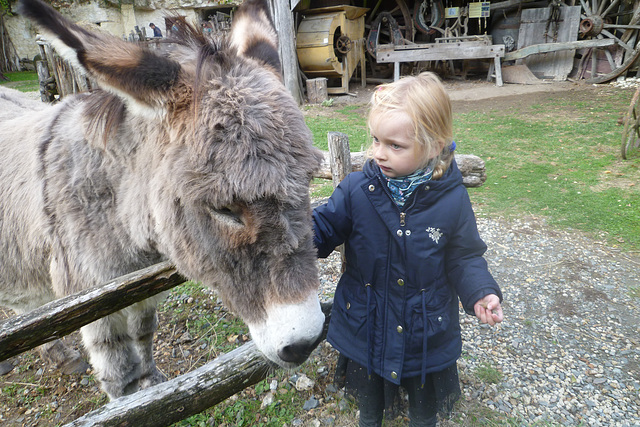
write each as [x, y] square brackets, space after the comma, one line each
[231, 215]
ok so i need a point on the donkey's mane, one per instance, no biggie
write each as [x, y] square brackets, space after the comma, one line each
[106, 111]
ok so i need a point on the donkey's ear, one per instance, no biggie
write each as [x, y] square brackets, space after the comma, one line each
[254, 35]
[125, 68]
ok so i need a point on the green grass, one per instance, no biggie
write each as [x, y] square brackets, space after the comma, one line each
[350, 120]
[248, 412]
[488, 374]
[559, 160]
[24, 81]
[218, 329]
[321, 188]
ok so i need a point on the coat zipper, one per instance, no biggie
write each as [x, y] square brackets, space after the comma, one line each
[403, 215]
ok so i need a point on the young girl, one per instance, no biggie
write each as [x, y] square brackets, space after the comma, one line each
[412, 249]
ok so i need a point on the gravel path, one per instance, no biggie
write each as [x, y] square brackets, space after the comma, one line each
[569, 348]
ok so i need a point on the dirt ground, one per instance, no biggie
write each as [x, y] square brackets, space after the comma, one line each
[34, 393]
[469, 95]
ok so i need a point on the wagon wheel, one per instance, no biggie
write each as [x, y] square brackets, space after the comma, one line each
[616, 20]
[428, 15]
[631, 133]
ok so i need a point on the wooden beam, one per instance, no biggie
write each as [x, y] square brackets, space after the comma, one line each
[283, 21]
[472, 167]
[188, 394]
[438, 52]
[555, 47]
[63, 316]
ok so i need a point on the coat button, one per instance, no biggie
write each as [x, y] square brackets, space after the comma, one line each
[399, 233]
[439, 318]
[408, 232]
[400, 282]
[372, 187]
[399, 329]
[426, 187]
[394, 375]
[348, 305]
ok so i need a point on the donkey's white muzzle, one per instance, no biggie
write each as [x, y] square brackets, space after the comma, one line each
[290, 332]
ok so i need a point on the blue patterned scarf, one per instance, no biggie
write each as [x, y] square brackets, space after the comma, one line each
[402, 187]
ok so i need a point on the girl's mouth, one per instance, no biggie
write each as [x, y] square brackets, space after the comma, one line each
[384, 168]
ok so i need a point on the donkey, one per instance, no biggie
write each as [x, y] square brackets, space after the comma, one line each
[197, 155]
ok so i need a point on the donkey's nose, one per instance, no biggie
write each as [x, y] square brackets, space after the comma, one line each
[298, 352]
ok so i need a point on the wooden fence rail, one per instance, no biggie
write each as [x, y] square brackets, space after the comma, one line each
[472, 167]
[190, 393]
[63, 316]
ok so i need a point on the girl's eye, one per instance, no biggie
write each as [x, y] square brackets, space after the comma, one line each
[375, 140]
[395, 146]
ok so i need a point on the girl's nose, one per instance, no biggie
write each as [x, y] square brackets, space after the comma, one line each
[379, 152]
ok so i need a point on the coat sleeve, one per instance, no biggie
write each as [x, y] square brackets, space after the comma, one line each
[467, 270]
[332, 221]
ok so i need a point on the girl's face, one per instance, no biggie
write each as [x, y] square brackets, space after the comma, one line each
[394, 146]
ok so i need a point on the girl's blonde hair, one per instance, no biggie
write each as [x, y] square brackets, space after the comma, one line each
[424, 99]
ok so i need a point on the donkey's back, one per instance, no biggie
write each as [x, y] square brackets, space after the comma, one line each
[24, 235]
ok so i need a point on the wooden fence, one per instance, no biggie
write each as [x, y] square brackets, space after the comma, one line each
[156, 406]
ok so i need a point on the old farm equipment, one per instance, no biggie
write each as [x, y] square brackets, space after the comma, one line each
[631, 132]
[592, 40]
[330, 44]
[605, 44]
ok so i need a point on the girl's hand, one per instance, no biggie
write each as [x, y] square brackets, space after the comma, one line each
[488, 309]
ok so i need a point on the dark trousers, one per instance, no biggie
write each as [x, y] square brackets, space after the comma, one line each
[423, 408]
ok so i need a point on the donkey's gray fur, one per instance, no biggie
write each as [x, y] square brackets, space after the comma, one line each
[198, 155]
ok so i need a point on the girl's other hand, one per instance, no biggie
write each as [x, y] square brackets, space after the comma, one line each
[488, 309]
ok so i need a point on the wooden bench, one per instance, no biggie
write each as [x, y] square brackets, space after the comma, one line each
[472, 47]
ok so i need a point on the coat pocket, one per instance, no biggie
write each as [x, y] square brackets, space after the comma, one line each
[353, 317]
[431, 324]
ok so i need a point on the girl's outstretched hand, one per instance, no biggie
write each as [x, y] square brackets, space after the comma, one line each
[488, 309]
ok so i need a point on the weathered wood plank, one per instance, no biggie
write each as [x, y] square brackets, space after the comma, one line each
[63, 316]
[472, 167]
[188, 394]
[283, 21]
[555, 47]
[536, 29]
[438, 52]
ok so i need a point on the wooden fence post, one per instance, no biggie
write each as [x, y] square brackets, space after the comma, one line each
[45, 79]
[340, 161]
[340, 156]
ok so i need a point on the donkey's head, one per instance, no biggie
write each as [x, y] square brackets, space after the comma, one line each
[221, 161]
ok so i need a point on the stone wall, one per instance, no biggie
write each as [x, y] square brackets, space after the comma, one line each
[118, 19]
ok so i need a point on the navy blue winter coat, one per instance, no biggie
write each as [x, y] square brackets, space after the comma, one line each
[395, 308]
